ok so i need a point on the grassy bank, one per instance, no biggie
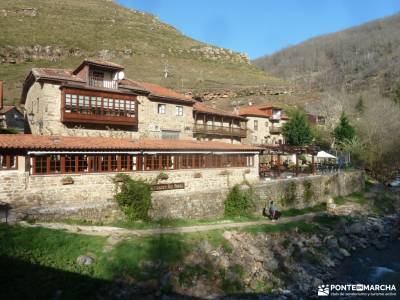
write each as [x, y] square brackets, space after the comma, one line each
[41, 263]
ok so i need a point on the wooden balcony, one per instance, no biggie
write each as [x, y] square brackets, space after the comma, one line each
[83, 118]
[95, 107]
[219, 130]
[275, 130]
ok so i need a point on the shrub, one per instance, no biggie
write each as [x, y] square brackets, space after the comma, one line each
[133, 197]
[238, 202]
[308, 191]
[290, 194]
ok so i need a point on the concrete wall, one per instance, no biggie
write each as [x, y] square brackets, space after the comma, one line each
[44, 100]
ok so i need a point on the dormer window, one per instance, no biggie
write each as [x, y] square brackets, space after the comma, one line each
[103, 79]
[97, 79]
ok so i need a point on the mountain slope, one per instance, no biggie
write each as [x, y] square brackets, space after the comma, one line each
[61, 33]
[361, 58]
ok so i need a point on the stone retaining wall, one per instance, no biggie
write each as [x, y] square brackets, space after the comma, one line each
[297, 193]
[90, 197]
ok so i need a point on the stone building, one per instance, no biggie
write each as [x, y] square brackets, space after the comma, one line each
[90, 123]
[66, 175]
[10, 116]
[264, 124]
[214, 124]
[97, 100]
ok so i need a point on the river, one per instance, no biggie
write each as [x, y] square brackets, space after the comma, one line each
[372, 266]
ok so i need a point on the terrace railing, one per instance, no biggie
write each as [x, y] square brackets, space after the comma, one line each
[219, 130]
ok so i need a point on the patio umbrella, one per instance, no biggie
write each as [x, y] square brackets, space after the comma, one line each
[323, 154]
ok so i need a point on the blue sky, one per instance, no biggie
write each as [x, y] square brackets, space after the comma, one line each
[260, 27]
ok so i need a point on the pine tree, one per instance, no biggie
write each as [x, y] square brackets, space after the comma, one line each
[297, 131]
[344, 131]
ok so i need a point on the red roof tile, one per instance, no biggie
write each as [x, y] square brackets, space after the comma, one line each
[57, 74]
[201, 107]
[155, 90]
[263, 110]
[35, 142]
[101, 62]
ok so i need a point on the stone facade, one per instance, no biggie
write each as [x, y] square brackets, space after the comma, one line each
[44, 101]
[261, 133]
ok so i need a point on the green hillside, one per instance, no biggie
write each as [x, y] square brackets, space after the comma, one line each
[361, 58]
[59, 33]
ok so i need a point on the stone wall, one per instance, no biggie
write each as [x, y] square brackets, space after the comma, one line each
[289, 193]
[91, 195]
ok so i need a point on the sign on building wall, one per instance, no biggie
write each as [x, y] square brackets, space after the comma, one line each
[168, 186]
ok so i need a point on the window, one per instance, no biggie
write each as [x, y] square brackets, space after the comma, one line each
[40, 165]
[80, 103]
[255, 124]
[8, 162]
[179, 110]
[114, 163]
[161, 108]
[124, 162]
[68, 102]
[55, 163]
[104, 159]
[82, 163]
[96, 105]
[72, 163]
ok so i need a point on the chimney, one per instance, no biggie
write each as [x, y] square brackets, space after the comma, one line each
[1, 94]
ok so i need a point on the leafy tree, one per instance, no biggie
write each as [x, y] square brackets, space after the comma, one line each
[344, 131]
[297, 131]
[322, 137]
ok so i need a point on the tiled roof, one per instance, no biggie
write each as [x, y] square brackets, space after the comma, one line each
[101, 62]
[264, 111]
[201, 107]
[57, 74]
[35, 142]
[154, 90]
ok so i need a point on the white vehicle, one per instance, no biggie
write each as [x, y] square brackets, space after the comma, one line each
[395, 182]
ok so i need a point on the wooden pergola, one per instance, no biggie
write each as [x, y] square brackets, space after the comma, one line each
[283, 149]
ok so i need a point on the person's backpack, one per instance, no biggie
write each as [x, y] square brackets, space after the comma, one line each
[265, 212]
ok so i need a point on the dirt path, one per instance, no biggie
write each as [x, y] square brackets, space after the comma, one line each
[117, 231]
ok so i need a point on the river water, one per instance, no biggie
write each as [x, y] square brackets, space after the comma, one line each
[372, 266]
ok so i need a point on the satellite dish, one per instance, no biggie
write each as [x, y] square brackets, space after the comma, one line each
[121, 75]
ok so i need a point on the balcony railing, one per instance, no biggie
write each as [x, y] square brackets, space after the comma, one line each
[219, 130]
[101, 83]
[275, 130]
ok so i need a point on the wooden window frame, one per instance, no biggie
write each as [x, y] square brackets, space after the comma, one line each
[83, 106]
[111, 163]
